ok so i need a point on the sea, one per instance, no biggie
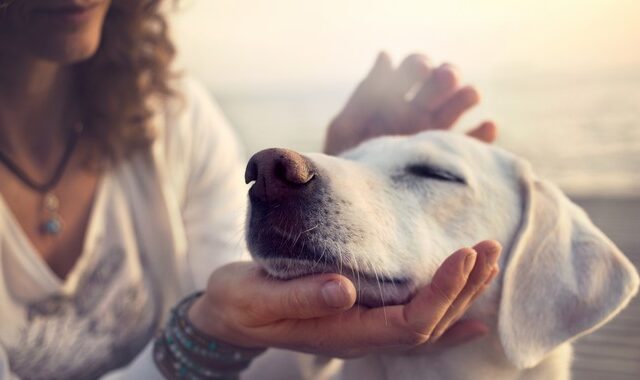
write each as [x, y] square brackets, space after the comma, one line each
[580, 129]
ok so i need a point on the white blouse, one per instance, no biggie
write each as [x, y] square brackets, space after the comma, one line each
[161, 223]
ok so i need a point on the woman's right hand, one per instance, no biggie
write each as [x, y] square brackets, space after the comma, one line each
[316, 314]
[413, 97]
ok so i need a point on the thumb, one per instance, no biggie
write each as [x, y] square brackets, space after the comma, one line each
[307, 297]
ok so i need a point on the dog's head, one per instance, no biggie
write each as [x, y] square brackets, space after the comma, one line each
[387, 213]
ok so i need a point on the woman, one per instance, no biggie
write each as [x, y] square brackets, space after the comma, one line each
[121, 192]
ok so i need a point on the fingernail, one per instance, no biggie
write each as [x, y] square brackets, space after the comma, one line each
[469, 261]
[334, 294]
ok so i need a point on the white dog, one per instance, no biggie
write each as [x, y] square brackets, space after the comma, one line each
[388, 213]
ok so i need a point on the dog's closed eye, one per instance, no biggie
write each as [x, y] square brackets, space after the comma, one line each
[428, 171]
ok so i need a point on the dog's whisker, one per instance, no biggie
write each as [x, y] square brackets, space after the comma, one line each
[308, 230]
[384, 309]
[317, 262]
[355, 274]
[359, 292]
[296, 239]
[341, 260]
[303, 244]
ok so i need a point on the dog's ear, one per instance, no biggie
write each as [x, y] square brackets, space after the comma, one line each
[563, 277]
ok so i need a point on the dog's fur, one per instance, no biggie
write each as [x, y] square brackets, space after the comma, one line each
[375, 216]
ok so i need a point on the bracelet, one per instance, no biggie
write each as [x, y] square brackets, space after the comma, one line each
[182, 351]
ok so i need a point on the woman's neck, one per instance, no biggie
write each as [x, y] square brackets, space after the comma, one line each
[35, 106]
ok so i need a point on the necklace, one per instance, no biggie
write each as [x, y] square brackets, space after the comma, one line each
[53, 223]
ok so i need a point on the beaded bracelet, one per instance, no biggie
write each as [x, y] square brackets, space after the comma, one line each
[182, 351]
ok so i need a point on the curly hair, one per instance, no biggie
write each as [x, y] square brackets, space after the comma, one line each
[129, 70]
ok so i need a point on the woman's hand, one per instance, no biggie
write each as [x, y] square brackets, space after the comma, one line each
[316, 314]
[414, 97]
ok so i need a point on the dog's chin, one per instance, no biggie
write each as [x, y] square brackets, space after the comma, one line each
[371, 289]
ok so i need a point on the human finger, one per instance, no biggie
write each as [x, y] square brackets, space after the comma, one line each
[486, 132]
[305, 297]
[487, 283]
[381, 67]
[483, 270]
[365, 98]
[377, 80]
[256, 299]
[413, 70]
[441, 84]
[431, 303]
[460, 102]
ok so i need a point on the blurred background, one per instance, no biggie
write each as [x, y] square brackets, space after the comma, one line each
[561, 78]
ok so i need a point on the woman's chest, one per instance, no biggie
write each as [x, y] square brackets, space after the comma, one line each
[55, 222]
[98, 317]
[106, 317]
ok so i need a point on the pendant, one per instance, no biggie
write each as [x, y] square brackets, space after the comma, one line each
[51, 226]
[53, 223]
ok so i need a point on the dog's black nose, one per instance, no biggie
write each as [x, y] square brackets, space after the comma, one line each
[278, 174]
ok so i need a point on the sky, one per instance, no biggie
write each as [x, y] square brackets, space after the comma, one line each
[251, 43]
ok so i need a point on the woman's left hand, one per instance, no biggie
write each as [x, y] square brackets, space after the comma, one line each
[413, 97]
[245, 307]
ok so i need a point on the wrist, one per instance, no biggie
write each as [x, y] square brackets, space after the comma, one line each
[183, 349]
[200, 315]
[207, 318]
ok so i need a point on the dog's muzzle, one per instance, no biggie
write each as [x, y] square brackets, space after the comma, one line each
[285, 199]
[294, 227]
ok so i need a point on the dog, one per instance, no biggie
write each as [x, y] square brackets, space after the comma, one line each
[388, 212]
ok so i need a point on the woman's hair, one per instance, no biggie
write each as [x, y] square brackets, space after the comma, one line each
[130, 69]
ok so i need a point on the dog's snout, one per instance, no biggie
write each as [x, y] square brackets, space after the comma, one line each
[278, 174]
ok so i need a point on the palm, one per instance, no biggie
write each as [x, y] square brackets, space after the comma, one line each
[412, 98]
